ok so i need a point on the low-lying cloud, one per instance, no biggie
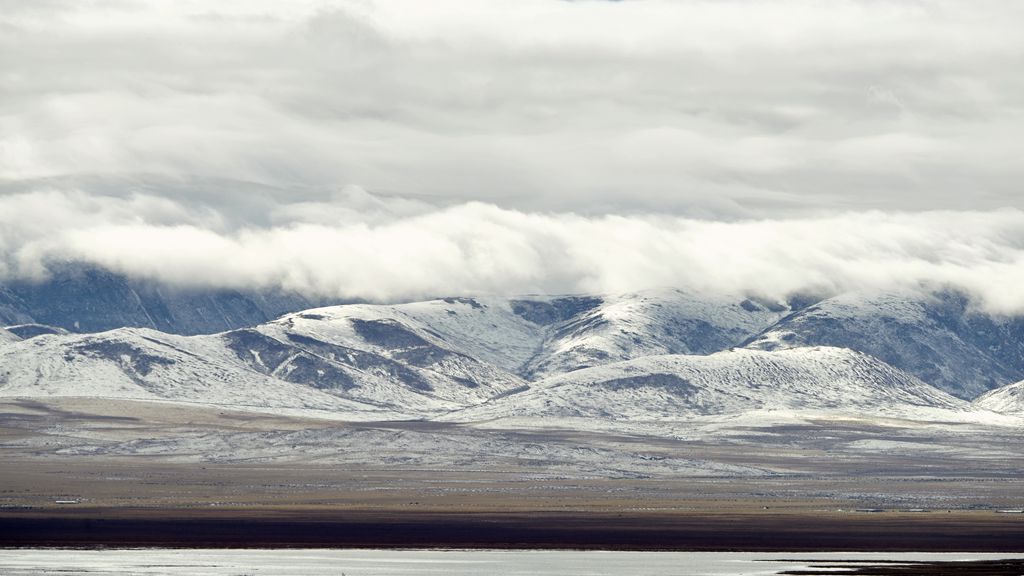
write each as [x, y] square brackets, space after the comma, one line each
[390, 249]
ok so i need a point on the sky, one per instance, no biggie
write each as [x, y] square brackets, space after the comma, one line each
[398, 149]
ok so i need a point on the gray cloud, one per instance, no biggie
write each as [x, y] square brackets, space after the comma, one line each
[733, 146]
[730, 109]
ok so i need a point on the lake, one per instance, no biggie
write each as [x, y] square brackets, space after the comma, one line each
[302, 562]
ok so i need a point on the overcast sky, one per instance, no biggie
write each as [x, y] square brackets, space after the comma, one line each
[490, 145]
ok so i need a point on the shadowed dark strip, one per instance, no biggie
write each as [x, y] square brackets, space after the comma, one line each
[512, 531]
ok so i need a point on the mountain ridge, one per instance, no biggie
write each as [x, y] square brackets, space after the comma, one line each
[491, 357]
[937, 336]
[467, 356]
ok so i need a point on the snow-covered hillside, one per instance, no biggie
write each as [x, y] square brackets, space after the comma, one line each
[415, 359]
[936, 337]
[660, 354]
[275, 366]
[540, 336]
[486, 329]
[617, 328]
[734, 381]
[146, 364]
[1008, 399]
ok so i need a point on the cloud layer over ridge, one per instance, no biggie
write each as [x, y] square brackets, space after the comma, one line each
[356, 245]
[727, 146]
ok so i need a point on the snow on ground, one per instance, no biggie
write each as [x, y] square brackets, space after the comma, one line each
[448, 448]
[7, 336]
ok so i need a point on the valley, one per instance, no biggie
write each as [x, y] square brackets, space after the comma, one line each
[88, 471]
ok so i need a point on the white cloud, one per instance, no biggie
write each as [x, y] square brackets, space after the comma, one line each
[529, 146]
[398, 249]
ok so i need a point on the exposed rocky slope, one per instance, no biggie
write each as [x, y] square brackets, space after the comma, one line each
[88, 299]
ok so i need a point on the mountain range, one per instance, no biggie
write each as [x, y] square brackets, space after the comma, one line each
[656, 355]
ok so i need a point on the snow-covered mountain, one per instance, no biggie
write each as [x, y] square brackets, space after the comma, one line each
[1007, 399]
[590, 331]
[937, 337]
[278, 365]
[659, 354]
[728, 382]
[145, 364]
[539, 336]
[414, 359]
[486, 329]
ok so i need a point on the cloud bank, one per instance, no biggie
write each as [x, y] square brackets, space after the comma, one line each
[731, 108]
[357, 245]
[728, 146]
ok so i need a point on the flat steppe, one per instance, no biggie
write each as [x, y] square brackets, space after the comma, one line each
[82, 472]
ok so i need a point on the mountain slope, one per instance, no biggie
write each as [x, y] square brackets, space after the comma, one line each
[483, 328]
[616, 328]
[936, 337]
[88, 299]
[734, 381]
[539, 336]
[145, 364]
[483, 358]
[406, 358]
[304, 358]
[1006, 399]
[419, 359]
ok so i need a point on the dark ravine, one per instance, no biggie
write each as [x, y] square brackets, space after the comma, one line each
[545, 530]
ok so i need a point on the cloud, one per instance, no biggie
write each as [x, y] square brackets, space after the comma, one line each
[737, 146]
[390, 249]
[728, 109]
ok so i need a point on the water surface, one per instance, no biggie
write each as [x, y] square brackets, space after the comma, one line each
[292, 562]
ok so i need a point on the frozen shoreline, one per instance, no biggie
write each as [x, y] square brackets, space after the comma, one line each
[303, 562]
